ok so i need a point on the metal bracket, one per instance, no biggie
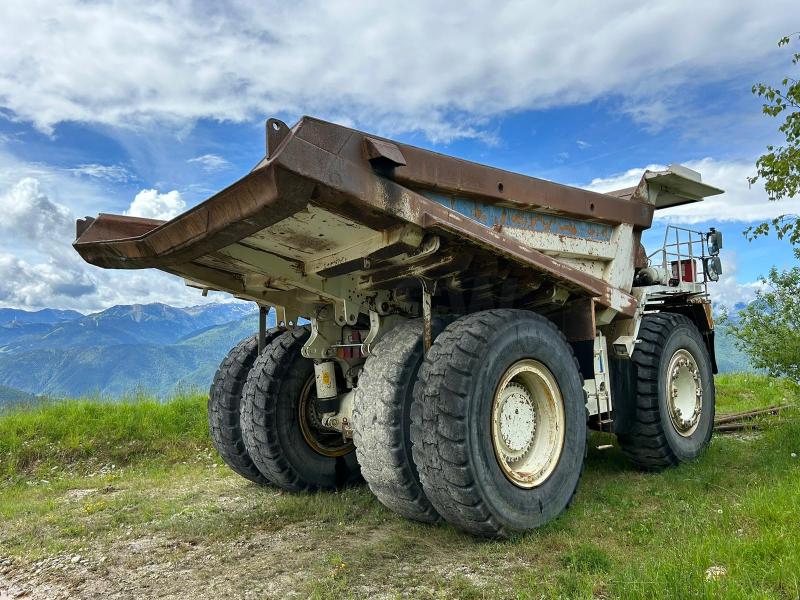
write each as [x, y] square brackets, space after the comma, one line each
[346, 311]
[374, 329]
[283, 318]
[318, 344]
[262, 328]
[428, 289]
[598, 389]
[378, 325]
[277, 131]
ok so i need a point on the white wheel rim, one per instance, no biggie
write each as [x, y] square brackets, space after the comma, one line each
[528, 423]
[684, 392]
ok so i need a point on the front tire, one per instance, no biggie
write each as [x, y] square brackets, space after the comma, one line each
[279, 426]
[484, 464]
[675, 400]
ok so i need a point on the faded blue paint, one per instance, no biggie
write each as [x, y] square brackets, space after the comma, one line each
[491, 215]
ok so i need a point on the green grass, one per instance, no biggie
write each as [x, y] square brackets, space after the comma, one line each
[81, 434]
[628, 535]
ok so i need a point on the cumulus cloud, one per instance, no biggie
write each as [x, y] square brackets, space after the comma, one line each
[26, 210]
[52, 282]
[729, 291]
[155, 205]
[740, 202]
[410, 66]
[39, 268]
[59, 278]
[210, 162]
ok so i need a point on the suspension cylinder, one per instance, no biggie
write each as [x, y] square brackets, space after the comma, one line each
[325, 376]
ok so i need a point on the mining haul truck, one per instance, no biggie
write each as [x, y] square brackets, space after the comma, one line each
[447, 331]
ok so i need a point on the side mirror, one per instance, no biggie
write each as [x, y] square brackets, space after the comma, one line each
[714, 241]
[712, 266]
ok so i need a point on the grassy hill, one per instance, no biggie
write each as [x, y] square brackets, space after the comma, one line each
[128, 500]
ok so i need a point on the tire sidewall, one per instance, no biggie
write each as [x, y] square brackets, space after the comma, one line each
[518, 508]
[686, 337]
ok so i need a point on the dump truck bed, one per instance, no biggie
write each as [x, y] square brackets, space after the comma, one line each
[331, 210]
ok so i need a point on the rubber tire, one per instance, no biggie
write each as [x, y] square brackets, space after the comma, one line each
[224, 401]
[451, 416]
[271, 426]
[382, 421]
[653, 443]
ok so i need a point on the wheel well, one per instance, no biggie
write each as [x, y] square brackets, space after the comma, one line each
[700, 315]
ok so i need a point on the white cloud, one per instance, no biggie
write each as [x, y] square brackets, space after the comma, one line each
[27, 211]
[39, 268]
[729, 291]
[390, 66]
[740, 202]
[155, 205]
[583, 145]
[210, 162]
[80, 195]
[114, 173]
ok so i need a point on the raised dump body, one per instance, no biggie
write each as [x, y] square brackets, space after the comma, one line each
[368, 238]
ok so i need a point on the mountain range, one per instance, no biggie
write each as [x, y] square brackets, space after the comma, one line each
[153, 349]
[143, 348]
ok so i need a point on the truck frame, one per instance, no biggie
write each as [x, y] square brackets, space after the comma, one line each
[446, 330]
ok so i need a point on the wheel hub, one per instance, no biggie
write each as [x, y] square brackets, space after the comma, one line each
[528, 423]
[517, 421]
[320, 439]
[684, 391]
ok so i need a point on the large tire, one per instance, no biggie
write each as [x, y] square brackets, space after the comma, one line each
[382, 421]
[224, 401]
[654, 441]
[279, 382]
[454, 415]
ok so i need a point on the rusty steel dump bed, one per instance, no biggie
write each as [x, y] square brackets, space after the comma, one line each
[336, 216]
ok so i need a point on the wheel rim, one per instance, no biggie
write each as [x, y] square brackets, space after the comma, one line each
[322, 441]
[528, 423]
[684, 392]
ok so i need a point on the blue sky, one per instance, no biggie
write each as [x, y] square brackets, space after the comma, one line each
[111, 107]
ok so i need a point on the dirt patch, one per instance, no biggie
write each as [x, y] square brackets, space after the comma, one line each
[264, 565]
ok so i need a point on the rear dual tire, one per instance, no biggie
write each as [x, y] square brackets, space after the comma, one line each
[224, 404]
[280, 425]
[382, 421]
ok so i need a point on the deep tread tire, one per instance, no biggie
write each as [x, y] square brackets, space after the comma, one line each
[271, 426]
[382, 421]
[653, 443]
[224, 401]
[451, 422]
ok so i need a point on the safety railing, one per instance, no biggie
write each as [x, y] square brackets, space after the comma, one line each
[684, 256]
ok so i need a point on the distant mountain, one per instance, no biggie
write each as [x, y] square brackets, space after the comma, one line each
[152, 348]
[729, 358]
[126, 324]
[46, 315]
[10, 395]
